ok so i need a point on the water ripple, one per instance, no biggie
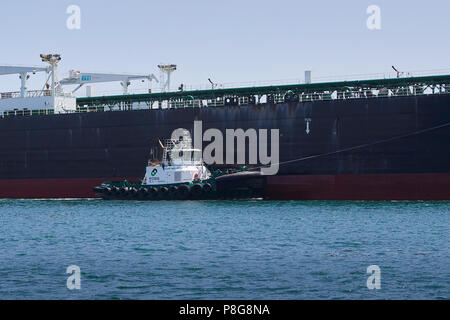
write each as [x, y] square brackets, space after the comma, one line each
[224, 250]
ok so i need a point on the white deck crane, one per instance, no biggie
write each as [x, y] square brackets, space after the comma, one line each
[24, 75]
[52, 98]
[45, 100]
[81, 78]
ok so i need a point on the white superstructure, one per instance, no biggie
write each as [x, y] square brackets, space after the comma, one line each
[180, 165]
[50, 98]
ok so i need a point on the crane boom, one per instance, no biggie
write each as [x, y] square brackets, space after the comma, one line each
[23, 71]
[4, 70]
[81, 78]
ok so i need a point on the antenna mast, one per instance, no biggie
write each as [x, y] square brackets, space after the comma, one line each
[53, 60]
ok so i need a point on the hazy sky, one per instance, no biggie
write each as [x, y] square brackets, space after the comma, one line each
[230, 41]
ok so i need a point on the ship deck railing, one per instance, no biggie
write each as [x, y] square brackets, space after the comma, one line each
[10, 113]
[294, 93]
[32, 94]
[28, 94]
[274, 98]
[381, 88]
[320, 79]
[244, 101]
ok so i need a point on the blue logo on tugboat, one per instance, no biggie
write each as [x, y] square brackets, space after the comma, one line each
[154, 172]
[86, 78]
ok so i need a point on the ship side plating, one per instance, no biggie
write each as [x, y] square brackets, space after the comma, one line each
[403, 151]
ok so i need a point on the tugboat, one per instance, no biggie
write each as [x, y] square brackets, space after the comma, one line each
[182, 175]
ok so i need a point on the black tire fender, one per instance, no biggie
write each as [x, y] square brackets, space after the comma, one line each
[173, 191]
[197, 190]
[163, 192]
[183, 192]
[153, 193]
[207, 188]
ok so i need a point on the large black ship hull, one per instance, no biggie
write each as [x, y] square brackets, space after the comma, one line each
[398, 148]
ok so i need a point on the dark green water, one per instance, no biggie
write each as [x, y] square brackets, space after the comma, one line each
[224, 250]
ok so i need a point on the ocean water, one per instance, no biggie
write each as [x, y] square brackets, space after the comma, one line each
[224, 250]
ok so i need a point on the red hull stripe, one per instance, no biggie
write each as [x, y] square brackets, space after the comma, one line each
[52, 188]
[361, 187]
[293, 187]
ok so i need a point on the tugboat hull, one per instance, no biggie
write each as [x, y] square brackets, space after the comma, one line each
[242, 185]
